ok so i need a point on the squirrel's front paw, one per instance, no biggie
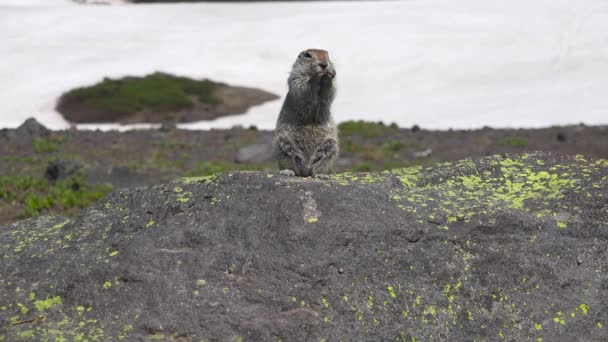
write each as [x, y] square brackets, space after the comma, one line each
[286, 172]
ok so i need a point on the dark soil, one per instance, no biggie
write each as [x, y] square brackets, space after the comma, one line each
[139, 158]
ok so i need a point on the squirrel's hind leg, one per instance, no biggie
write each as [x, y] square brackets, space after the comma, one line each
[324, 158]
[290, 157]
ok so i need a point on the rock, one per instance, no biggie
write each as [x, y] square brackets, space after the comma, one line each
[167, 127]
[423, 154]
[61, 169]
[33, 129]
[29, 130]
[256, 257]
[254, 154]
[562, 137]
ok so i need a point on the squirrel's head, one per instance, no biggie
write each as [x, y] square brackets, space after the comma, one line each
[314, 63]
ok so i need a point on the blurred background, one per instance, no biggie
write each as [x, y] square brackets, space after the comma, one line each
[125, 94]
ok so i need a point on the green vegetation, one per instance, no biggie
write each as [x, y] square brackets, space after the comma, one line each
[155, 92]
[366, 129]
[34, 195]
[372, 151]
[363, 167]
[347, 145]
[46, 145]
[392, 146]
[514, 142]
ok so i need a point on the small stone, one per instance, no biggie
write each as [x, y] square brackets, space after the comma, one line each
[423, 154]
[167, 127]
[61, 169]
[288, 173]
[340, 270]
[33, 128]
[28, 131]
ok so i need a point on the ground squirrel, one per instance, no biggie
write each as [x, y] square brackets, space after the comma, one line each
[306, 138]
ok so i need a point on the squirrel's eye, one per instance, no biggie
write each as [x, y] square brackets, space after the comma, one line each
[307, 55]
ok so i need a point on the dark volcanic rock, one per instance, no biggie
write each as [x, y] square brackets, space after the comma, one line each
[33, 129]
[509, 248]
[29, 130]
[61, 169]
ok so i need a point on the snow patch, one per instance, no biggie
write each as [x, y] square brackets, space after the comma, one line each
[436, 63]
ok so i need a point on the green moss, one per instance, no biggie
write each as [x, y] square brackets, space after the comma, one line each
[430, 309]
[391, 291]
[468, 189]
[391, 147]
[363, 167]
[514, 142]
[24, 310]
[47, 303]
[366, 129]
[46, 145]
[349, 146]
[26, 334]
[559, 318]
[157, 92]
[127, 328]
[408, 176]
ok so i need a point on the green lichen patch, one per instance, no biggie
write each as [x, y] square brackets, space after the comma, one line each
[463, 190]
[47, 303]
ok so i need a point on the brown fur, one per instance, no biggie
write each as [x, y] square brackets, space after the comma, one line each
[306, 139]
